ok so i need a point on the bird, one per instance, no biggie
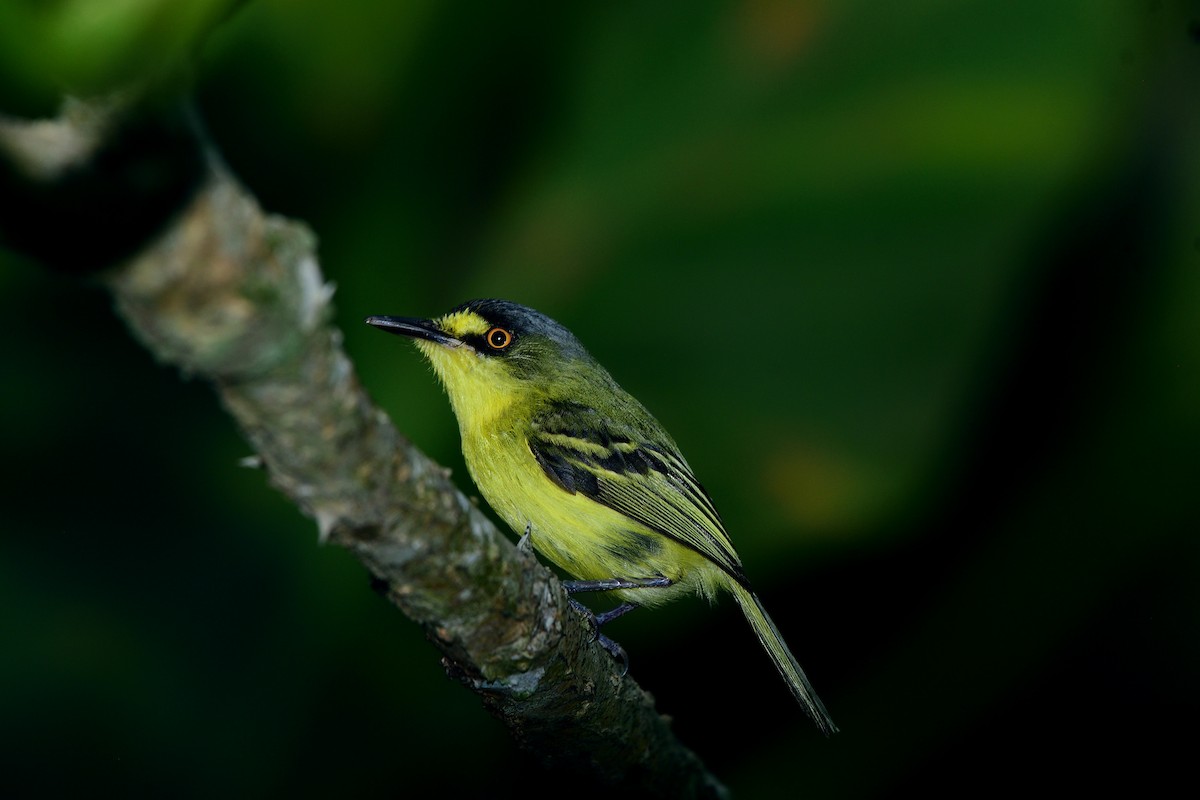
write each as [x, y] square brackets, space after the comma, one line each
[583, 472]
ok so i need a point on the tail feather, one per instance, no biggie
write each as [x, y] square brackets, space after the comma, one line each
[785, 662]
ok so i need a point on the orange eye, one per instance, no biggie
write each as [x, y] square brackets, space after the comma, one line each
[498, 338]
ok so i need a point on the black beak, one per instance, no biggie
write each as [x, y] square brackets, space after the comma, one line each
[414, 328]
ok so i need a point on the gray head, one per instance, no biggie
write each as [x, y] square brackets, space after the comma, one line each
[530, 345]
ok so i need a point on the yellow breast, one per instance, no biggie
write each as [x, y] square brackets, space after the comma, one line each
[585, 538]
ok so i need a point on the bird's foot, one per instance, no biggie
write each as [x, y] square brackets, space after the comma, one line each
[596, 620]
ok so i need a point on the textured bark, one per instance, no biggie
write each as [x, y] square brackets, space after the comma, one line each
[235, 296]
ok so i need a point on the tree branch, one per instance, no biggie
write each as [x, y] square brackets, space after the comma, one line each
[235, 296]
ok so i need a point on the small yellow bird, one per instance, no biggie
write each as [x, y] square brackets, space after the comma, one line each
[579, 467]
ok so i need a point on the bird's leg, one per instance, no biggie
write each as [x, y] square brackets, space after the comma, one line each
[606, 585]
[608, 616]
[609, 584]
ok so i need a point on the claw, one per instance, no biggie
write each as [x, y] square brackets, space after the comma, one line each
[525, 543]
[615, 650]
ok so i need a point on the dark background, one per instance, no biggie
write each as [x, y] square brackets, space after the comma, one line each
[914, 287]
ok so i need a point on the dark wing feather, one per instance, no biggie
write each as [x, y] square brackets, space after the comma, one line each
[615, 464]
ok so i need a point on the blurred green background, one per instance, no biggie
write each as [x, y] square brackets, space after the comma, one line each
[913, 285]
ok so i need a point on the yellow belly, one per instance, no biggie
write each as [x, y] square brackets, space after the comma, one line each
[586, 539]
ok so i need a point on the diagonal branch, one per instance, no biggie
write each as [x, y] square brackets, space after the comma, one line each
[235, 296]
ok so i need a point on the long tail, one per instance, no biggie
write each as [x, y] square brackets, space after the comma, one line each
[785, 662]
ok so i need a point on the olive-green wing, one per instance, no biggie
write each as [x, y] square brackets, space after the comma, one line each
[615, 464]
